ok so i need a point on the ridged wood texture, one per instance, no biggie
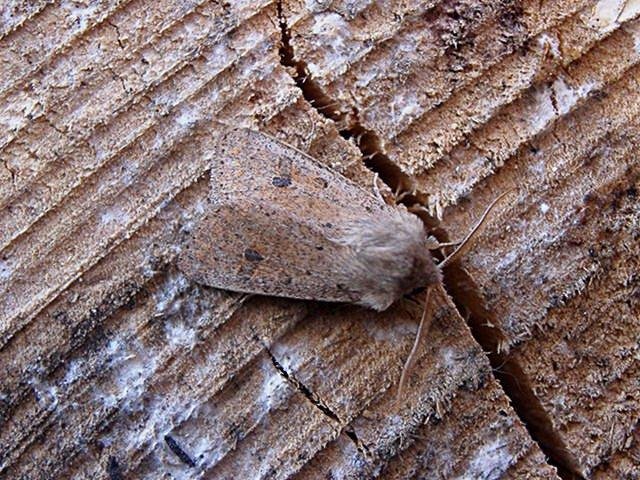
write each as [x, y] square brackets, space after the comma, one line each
[114, 365]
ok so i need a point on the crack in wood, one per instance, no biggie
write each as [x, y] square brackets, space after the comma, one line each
[317, 402]
[347, 121]
[457, 281]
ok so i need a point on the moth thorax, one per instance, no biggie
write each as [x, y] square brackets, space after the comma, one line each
[386, 257]
[425, 272]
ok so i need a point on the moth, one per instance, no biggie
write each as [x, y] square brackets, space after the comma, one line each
[281, 223]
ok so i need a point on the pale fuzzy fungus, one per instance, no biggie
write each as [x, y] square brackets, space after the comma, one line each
[490, 462]
[543, 111]
[389, 333]
[288, 357]
[187, 117]
[45, 394]
[551, 43]
[405, 108]
[6, 270]
[114, 216]
[167, 297]
[333, 33]
[450, 358]
[74, 372]
[16, 114]
[180, 334]
[544, 207]
[273, 389]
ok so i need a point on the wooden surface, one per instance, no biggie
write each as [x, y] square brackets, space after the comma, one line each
[115, 366]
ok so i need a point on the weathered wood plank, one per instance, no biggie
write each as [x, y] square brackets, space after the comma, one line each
[541, 96]
[116, 366]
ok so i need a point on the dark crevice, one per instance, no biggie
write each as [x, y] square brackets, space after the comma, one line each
[115, 76]
[346, 119]
[302, 388]
[316, 401]
[508, 371]
[117, 29]
[458, 283]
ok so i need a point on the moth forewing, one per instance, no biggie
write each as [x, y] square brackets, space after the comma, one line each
[280, 223]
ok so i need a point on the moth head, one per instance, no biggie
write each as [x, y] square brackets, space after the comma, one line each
[385, 257]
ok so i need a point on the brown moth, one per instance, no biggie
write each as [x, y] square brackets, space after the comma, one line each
[281, 223]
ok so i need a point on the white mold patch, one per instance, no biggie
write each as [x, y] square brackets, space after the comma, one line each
[273, 388]
[167, 296]
[6, 270]
[46, 394]
[390, 332]
[288, 357]
[333, 33]
[187, 117]
[114, 216]
[567, 96]
[551, 43]
[544, 208]
[180, 334]
[74, 371]
[450, 358]
[544, 111]
[404, 108]
[315, 6]
[16, 112]
[490, 462]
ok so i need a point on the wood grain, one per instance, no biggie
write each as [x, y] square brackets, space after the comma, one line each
[114, 365]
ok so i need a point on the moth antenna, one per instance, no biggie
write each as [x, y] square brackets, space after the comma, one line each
[458, 251]
[423, 329]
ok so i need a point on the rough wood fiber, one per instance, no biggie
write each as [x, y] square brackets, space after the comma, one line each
[115, 366]
[541, 96]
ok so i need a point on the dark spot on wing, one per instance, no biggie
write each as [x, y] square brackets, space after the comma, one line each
[253, 255]
[283, 181]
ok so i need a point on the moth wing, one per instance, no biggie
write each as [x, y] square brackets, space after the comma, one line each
[273, 214]
[240, 249]
[250, 166]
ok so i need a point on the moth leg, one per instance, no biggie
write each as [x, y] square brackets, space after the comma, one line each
[449, 244]
[433, 243]
[423, 329]
[443, 245]
[376, 188]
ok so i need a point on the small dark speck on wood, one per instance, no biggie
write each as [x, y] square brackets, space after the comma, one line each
[284, 181]
[181, 454]
[253, 255]
[113, 469]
